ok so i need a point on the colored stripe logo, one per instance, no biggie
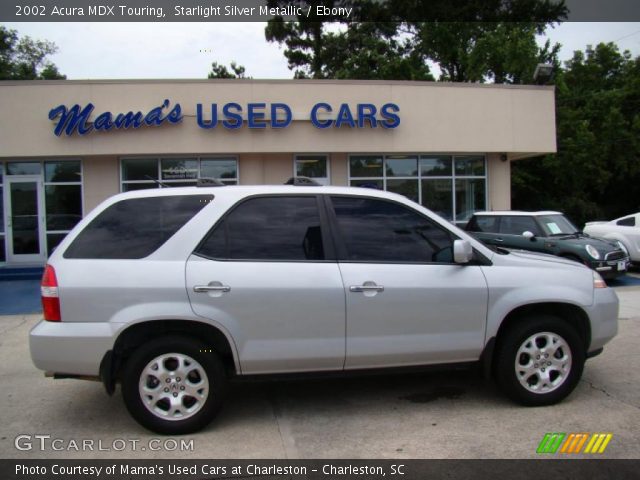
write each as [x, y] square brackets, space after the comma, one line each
[574, 443]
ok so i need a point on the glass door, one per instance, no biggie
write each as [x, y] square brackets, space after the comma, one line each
[25, 219]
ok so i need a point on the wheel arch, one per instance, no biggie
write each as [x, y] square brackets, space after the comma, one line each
[569, 313]
[137, 334]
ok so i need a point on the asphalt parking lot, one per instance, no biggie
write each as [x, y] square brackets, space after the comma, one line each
[436, 415]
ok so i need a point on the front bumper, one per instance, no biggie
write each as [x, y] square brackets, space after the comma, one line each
[611, 268]
[71, 348]
[603, 315]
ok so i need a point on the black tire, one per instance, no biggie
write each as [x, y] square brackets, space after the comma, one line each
[560, 383]
[207, 367]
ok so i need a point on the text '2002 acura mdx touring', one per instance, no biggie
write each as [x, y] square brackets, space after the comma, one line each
[170, 292]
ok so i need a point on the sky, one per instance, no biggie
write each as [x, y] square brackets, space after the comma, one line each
[186, 50]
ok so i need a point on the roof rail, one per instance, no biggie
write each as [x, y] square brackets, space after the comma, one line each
[210, 182]
[302, 182]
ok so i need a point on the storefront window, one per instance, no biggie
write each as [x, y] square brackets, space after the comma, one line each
[435, 166]
[401, 166]
[408, 188]
[452, 186]
[63, 199]
[470, 197]
[23, 168]
[312, 166]
[365, 166]
[225, 169]
[144, 173]
[179, 168]
[436, 196]
[470, 165]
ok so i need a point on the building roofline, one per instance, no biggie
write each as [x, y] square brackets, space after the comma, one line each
[7, 83]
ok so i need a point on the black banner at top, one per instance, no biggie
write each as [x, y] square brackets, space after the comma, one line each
[317, 10]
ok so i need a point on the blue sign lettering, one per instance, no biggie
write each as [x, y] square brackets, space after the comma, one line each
[314, 115]
[388, 112]
[232, 116]
[76, 119]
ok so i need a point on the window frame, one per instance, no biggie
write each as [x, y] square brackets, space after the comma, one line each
[186, 182]
[419, 177]
[44, 183]
[341, 247]
[327, 238]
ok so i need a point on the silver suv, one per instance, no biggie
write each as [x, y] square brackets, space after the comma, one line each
[172, 292]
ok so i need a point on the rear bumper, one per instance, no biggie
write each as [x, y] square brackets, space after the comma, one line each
[604, 317]
[70, 347]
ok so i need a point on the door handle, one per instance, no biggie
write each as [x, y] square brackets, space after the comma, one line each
[366, 288]
[211, 288]
[499, 239]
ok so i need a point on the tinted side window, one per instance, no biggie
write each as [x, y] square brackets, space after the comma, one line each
[268, 228]
[381, 231]
[135, 228]
[482, 223]
[518, 225]
[627, 222]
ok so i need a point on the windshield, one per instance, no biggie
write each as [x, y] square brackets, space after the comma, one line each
[557, 225]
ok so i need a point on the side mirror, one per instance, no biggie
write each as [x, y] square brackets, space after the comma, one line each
[462, 251]
[529, 235]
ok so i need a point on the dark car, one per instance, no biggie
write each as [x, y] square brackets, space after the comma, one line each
[552, 233]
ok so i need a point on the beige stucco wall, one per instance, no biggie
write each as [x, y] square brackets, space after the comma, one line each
[100, 180]
[435, 117]
[498, 183]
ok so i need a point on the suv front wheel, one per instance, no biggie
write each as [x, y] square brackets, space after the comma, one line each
[173, 385]
[539, 360]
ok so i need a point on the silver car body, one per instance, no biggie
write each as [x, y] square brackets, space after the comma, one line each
[281, 317]
[625, 230]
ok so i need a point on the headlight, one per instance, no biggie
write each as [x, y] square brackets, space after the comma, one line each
[593, 252]
[623, 248]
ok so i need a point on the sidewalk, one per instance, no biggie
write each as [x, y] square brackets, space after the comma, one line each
[629, 302]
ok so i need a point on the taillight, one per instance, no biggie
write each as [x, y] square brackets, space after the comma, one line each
[49, 292]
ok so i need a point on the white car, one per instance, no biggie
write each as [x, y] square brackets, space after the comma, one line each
[625, 230]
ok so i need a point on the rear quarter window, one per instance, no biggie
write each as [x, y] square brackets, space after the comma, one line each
[627, 222]
[136, 227]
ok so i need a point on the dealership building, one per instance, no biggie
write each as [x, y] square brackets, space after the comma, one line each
[67, 145]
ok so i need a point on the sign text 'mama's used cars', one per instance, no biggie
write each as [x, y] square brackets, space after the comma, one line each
[552, 233]
[625, 230]
[170, 292]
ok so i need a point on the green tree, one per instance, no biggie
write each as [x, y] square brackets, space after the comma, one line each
[25, 58]
[470, 40]
[336, 47]
[596, 172]
[505, 52]
[221, 71]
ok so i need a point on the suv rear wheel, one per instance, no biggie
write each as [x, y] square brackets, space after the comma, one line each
[173, 385]
[539, 360]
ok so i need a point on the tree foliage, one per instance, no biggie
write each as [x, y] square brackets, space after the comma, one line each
[25, 58]
[221, 71]
[596, 172]
[468, 40]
